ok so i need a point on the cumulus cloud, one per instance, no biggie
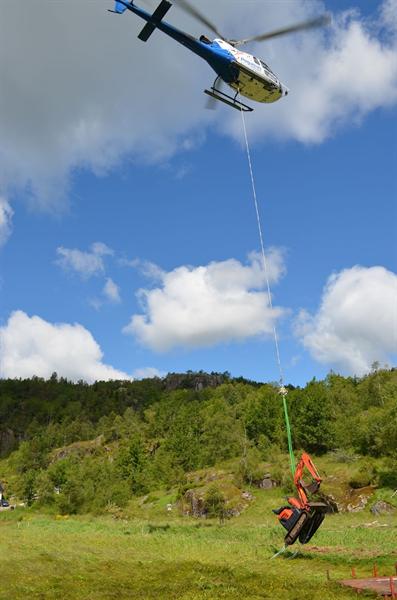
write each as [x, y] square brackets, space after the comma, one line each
[32, 346]
[207, 305]
[147, 373]
[356, 323]
[111, 291]
[336, 77]
[389, 15]
[6, 214]
[85, 264]
[103, 100]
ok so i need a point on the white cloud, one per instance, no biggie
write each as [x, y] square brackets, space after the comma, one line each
[6, 214]
[85, 264]
[389, 15]
[102, 99]
[207, 305]
[356, 323]
[111, 291]
[145, 267]
[32, 346]
[147, 373]
[101, 249]
[336, 78]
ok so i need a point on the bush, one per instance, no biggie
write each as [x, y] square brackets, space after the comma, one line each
[214, 503]
[366, 475]
[71, 498]
[387, 476]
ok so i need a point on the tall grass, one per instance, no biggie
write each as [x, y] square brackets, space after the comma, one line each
[47, 557]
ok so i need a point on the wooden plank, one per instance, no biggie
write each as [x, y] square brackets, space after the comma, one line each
[380, 585]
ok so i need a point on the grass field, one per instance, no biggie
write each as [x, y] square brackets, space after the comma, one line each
[151, 554]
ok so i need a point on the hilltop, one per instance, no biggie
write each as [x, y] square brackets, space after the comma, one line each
[79, 447]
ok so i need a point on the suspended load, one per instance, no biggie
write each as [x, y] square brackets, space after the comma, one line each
[302, 517]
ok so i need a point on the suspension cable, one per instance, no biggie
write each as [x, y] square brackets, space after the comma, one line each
[282, 389]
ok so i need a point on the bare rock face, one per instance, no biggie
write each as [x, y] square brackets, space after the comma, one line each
[247, 496]
[360, 503]
[196, 504]
[343, 498]
[198, 501]
[194, 381]
[381, 508]
[79, 449]
[267, 483]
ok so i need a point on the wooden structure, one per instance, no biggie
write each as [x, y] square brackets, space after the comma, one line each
[383, 586]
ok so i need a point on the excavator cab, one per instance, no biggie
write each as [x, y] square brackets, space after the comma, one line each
[301, 518]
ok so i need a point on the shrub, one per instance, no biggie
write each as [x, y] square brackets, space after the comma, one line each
[214, 503]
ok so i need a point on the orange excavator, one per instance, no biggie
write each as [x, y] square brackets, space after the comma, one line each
[302, 518]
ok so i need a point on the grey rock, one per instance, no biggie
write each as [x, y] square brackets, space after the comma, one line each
[381, 508]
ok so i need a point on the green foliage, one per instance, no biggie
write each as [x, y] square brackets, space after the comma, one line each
[222, 433]
[387, 475]
[214, 503]
[250, 466]
[25, 487]
[312, 416]
[85, 446]
[366, 475]
[104, 558]
[32, 454]
[132, 464]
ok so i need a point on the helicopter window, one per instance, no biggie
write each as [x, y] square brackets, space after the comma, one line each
[257, 61]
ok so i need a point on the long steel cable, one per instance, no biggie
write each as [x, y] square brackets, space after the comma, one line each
[282, 388]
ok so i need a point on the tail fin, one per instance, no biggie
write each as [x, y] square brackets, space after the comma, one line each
[120, 7]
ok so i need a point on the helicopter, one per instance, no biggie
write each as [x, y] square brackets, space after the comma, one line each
[246, 74]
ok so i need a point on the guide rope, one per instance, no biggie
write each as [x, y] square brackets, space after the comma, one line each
[282, 389]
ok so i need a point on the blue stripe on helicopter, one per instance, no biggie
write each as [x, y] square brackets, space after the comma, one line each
[221, 60]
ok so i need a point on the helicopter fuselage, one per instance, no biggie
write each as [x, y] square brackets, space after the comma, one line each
[255, 79]
[246, 74]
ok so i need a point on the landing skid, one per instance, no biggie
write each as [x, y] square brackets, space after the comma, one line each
[229, 100]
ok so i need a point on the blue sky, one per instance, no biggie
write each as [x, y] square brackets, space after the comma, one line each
[165, 194]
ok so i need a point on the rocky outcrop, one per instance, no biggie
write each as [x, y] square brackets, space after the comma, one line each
[193, 381]
[79, 449]
[382, 508]
[194, 504]
[266, 483]
[197, 499]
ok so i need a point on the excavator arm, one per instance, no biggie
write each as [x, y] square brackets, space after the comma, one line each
[302, 487]
[302, 517]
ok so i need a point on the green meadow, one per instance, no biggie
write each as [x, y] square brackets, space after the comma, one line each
[109, 473]
[149, 553]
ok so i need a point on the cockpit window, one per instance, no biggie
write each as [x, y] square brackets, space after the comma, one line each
[257, 61]
[266, 66]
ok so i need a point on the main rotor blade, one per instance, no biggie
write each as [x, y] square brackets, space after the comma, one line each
[310, 24]
[192, 11]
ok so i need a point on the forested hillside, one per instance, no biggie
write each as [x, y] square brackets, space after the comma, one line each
[82, 446]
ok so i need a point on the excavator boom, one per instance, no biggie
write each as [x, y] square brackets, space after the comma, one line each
[302, 518]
